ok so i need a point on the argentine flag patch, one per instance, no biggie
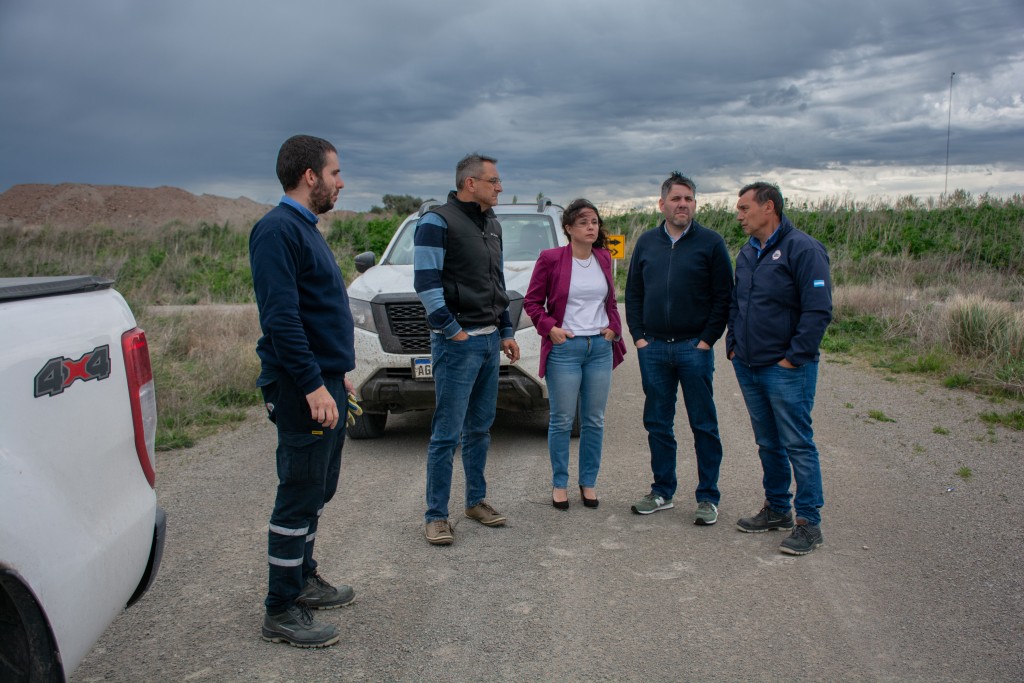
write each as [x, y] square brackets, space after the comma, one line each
[819, 283]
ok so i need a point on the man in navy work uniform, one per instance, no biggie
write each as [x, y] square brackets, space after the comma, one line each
[460, 280]
[677, 303]
[781, 305]
[305, 351]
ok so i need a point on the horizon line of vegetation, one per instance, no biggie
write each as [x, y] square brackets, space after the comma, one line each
[931, 290]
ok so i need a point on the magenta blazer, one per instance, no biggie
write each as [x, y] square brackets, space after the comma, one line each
[549, 291]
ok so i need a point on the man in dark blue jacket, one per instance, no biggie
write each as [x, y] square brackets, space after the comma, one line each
[781, 305]
[305, 351]
[677, 304]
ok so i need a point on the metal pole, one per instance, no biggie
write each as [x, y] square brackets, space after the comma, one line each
[949, 119]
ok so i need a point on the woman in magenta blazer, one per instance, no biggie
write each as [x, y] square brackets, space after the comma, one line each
[571, 301]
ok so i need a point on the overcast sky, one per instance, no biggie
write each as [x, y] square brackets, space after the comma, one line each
[595, 98]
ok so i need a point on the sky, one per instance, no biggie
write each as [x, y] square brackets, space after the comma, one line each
[574, 98]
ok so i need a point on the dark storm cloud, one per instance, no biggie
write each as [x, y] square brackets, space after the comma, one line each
[574, 97]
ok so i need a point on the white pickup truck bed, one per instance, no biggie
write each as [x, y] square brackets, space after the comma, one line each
[81, 534]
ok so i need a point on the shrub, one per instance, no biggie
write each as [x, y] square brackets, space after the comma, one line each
[978, 327]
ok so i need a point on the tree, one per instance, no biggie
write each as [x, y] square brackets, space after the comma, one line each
[401, 203]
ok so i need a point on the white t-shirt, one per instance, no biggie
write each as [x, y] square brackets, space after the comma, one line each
[585, 314]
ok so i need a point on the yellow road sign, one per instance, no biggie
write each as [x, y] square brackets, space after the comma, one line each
[617, 246]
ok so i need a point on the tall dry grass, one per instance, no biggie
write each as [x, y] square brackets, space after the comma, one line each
[979, 326]
[205, 367]
[973, 336]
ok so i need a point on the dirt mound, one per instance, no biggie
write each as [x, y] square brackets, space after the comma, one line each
[71, 205]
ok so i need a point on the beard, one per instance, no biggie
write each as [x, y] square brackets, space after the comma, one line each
[320, 198]
[679, 222]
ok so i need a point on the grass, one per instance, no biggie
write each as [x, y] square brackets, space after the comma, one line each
[1012, 420]
[879, 416]
[934, 291]
[957, 381]
[205, 369]
[964, 473]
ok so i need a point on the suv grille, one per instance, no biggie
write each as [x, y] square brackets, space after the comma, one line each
[408, 325]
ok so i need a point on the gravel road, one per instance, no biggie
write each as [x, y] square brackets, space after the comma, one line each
[921, 577]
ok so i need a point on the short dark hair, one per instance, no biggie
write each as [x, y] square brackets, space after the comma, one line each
[763, 191]
[298, 153]
[677, 178]
[470, 165]
[573, 211]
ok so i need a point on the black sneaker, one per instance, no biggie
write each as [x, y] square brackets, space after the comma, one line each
[804, 539]
[296, 626]
[318, 594]
[765, 520]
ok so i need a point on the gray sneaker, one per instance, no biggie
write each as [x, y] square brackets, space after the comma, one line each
[318, 594]
[651, 503]
[296, 626]
[439, 532]
[706, 514]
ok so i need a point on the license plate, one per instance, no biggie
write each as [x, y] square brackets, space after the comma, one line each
[422, 369]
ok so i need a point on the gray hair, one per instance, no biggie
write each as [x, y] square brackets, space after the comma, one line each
[469, 166]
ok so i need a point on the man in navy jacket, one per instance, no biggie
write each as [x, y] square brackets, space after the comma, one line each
[306, 349]
[781, 305]
[677, 304]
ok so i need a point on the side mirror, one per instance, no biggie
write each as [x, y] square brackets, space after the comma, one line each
[365, 261]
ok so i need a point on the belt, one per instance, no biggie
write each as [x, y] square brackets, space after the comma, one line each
[669, 340]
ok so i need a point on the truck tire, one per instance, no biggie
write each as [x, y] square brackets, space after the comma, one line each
[27, 650]
[368, 426]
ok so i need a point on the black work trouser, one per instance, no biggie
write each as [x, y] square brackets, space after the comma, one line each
[308, 465]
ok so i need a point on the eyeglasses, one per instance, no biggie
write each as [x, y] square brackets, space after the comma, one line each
[492, 181]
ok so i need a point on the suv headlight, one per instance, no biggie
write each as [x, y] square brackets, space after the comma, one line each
[362, 315]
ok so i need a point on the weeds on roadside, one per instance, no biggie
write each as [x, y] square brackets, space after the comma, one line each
[957, 381]
[1013, 419]
[205, 369]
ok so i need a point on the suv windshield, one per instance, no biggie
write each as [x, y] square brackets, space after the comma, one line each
[523, 237]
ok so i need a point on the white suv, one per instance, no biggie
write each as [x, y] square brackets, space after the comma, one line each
[392, 339]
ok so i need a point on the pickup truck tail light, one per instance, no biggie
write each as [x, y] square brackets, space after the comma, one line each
[142, 392]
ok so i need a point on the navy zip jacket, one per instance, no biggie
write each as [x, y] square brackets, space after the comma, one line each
[680, 290]
[782, 301]
[303, 305]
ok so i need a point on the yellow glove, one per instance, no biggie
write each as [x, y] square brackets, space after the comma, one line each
[353, 411]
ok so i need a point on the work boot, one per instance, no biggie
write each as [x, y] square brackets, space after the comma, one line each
[296, 626]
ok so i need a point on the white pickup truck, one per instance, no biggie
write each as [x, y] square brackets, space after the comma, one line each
[81, 534]
[393, 372]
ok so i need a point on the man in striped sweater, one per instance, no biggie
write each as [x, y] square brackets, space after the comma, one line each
[459, 279]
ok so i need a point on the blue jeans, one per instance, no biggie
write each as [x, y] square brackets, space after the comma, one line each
[580, 369]
[779, 401]
[466, 393]
[665, 366]
[308, 465]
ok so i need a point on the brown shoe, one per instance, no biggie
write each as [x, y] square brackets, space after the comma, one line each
[439, 532]
[485, 514]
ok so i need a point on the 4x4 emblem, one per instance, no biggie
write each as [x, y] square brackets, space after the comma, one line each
[59, 373]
